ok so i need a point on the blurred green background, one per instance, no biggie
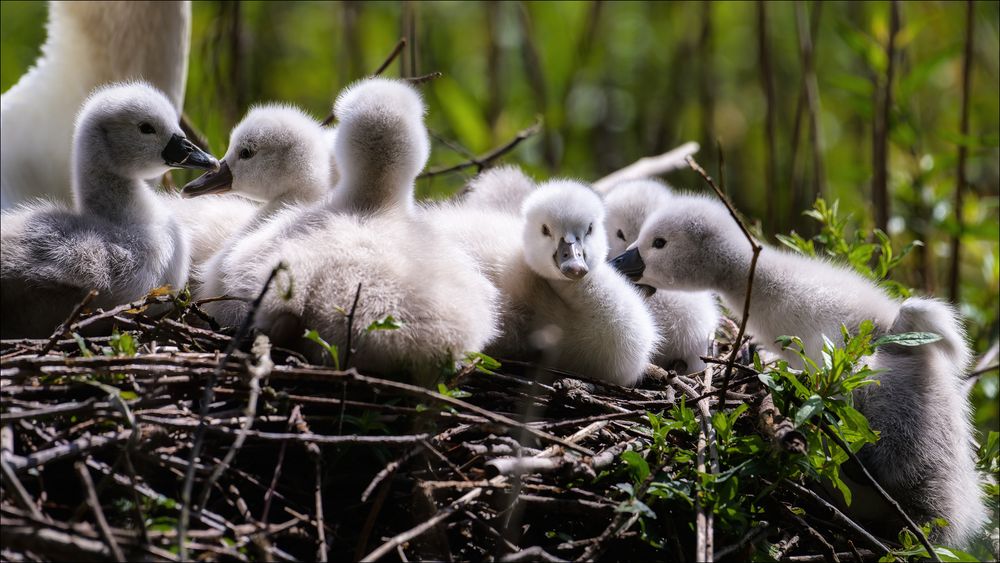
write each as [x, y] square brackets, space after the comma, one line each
[615, 81]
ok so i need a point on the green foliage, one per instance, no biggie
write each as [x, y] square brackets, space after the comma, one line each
[386, 323]
[122, 344]
[482, 362]
[331, 349]
[872, 259]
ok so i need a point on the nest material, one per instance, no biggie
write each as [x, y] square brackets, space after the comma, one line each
[302, 462]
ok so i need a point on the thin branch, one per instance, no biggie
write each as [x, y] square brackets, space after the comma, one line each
[648, 166]
[416, 531]
[64, 328]
[485, 160]
[882, 124]
[770, 117]
[756, 248]
[882, 492]
[838, 515]
[392, 57]
[95, 508]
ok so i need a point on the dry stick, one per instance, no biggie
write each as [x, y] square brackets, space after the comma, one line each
[406, 536]
[757, 247]
[882, 492]
[20, 493]
[64, 328]
[199, 435]
[956, 239]
[830, 554]
[838, 515]
[648, 166]
[262, 349]
[485, 160]
[269, 493]
[318, 496]
[423, 78]
[95, 507]
[704, 535]
[597, 545]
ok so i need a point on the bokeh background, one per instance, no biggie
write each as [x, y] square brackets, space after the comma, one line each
[792, 92]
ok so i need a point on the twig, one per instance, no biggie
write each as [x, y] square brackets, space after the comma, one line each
[756, 247]
[392, 56]
[648, 166]
[262, 350]
[485, 160]
[350, 326]
[199, 436]
[829, 552]
[882, 492]
[408, 535]
[423, 78]
[838, 515]
[66, 325]
[95, 508]
[755, 532]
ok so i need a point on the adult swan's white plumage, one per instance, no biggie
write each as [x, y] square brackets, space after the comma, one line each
[118, 238]
[687, 320]
[924, 455]
[89, 44]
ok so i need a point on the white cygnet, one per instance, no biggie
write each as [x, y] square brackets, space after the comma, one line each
[89, 44]
[118, 238]
[687, 320]
[369, 234]
[924, 456]
[559, 298]
[275, 157]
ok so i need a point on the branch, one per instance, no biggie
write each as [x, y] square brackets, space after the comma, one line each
[756, 247]
[66, 325]
[392, 56]
[882, 492]
[648, 166]
[95, 507]
[485, 160]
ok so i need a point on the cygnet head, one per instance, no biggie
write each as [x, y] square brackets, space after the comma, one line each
[564, 230]
[276, 153]
[628, 204]
[131, 131]
[381, 142]
[692, 244]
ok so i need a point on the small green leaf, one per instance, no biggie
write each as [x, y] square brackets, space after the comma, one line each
[811, 407]
[637, 464]
[387, 323]
[332, 350]
[908, 339]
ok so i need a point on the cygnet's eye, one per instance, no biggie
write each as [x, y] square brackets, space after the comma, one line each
[659, 242]
[546, 231]
[146, 129]
[620, 235]
[246, 153]
[590, 229]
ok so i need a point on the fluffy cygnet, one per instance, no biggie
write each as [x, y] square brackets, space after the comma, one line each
[89, 44]
[924, 456]
[277, 157]
[687, 320]
[369, 233]
[501, 189]
[558, 295]
[118, 238]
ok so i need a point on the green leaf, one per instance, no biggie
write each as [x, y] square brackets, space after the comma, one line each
[637, 465]
[387, 323]
[908, 339]
[332, 350]
[810, 408]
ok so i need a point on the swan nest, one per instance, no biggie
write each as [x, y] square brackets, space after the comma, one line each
[304, 462]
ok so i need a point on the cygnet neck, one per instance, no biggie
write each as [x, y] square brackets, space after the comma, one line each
[102, 192]
[373, 192]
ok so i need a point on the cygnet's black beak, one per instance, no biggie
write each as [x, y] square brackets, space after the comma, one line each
[182, 153]
[214, 182]
[570, 260]
[630, 264]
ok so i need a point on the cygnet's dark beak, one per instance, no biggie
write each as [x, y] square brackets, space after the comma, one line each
[182, 153]
[215, 182]
[630, 264]
[570, 260]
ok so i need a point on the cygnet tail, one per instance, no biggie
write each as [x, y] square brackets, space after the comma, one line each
[499, 189]
[921, 314]
[381, 139]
